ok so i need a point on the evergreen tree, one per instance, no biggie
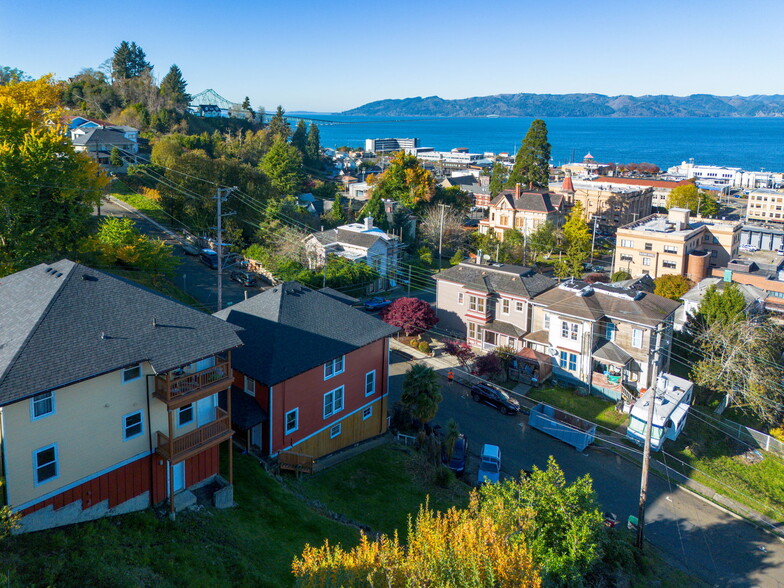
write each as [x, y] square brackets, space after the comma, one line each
[578, 243]
[282, 164]
[532, 163]
[247, 108]
[727, 306]
[279, 126]
[115, 158]
[173, 87]
[336, 214]
[129, 61]
[375, 208]
[498, 178]
[300, 137]
[313, 146]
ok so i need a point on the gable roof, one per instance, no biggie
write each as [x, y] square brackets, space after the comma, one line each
[498, 278]
[290, 329]
[364, 239]
[64, 323]
[533, 201]
[595, 301]
[100, 135]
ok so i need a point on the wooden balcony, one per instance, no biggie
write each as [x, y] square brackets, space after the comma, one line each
[176, 390]
[197, 440]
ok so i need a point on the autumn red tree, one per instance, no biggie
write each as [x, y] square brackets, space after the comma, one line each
[488, 365]
[413, 315]
[460, 350]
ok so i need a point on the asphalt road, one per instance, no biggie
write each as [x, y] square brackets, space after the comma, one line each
[194, 277]
[693, 534]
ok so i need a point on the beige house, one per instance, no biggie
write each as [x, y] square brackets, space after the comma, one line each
[614, 204]
[615, 340]
[675, 243]
[765, 205]
[488, 304]
[108, 396]
[523, 210]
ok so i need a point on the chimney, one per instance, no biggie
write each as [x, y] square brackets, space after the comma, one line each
[479, 254]
[368, 223]
[517, 190]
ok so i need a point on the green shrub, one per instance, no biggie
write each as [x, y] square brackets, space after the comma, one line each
[444, 477]
[424, 347]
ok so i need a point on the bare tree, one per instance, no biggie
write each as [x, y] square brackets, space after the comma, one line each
[743, 360]
[454, 234]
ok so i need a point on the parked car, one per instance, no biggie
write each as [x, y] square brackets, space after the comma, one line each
[598, 268]
[749, 248]
[780, 251]
[376, 303]
[189, 248]
[489, 465]
[247, 279]
[459, 453]
[209, 258]
[495, 398]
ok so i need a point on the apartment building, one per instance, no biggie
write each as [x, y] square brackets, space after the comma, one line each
[488, 304]
[675, 243]
[769, 278]
[614, 205]
[661, 188]
[765, 205]
[613, 339]
[523, 210]
[390, 144]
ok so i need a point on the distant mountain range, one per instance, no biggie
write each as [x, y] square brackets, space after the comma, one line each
[587, 105]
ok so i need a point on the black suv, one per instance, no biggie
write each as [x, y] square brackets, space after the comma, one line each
[495, 398]
[247, 279]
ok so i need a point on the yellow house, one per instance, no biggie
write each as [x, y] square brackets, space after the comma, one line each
[108, 395]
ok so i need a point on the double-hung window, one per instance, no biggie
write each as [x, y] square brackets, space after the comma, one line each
[132, 425]
[519, 307]
[45, 466]
[292, 421]
[460, 297]
[670, 249]
[572, 362]
[250, 386]
[370, 383]
[564, 330]
[627, 243]
[609, 331]
[547, 321]
[333, 402]
[505, 306]
[185, 415]
[637, 338]
[42, 405]
[334, 367]
[569, 330]
[476, 304]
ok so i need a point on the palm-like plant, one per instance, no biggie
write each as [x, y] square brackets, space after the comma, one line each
[421, 392]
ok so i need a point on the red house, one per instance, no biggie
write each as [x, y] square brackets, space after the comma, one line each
[312, 376]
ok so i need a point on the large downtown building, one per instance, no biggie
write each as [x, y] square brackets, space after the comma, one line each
[610, 204]
[523, 210]
[675, 243]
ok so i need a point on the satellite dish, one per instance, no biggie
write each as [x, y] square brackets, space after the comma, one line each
[486, 257]
[552, 351]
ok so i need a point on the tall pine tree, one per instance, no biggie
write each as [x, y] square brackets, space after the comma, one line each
[313, 146]
[532, 163]
[498, 177]
[279, 126]
[173, 87]
[129, 61]
[375, 208]
[300, 136]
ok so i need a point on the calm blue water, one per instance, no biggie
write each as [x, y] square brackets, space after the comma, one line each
[749, 143]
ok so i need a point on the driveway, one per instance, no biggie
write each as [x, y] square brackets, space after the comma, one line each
[692, 533]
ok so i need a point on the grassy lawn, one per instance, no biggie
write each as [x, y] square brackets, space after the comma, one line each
[591, 408]
[250, 545]
[127, 194]
[758, 485]
[391, 486]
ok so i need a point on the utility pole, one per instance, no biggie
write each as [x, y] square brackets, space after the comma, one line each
[646, 458]
[441, 235]
[220, 194]
[409, 281]
[593, 237]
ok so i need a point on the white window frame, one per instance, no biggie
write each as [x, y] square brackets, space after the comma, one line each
[646, 261]
[670, 249]
[367, 412]
[125, 418]
[335, 430]
[564, 329]
[249, 386]
[609, 331]
[126, 380]
[370, 383]
[334, 367]
[37, 399]
[188, 408]
[460, 298]
[476, 304]
[474, 331]
[289, 429]
[36, 466]
[547, 321]
[505, 305]
[519, 306]
[329, 399]
[627, 243]
[637, 337]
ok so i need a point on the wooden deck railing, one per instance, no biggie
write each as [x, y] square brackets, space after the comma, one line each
[297, 462]
[190, 443]
[169, 387]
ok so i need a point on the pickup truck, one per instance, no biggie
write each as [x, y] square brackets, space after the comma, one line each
[374, 304]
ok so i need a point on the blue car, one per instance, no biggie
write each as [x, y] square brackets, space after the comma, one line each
[459, 452]
[376, 303]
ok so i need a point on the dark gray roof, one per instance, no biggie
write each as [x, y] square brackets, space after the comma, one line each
[505, 329]
[611, 353]
[339, 296]
[245, 411]
[290, 329]
[498, 278]
[599, 300]
[534, 201]
[355, 238]
[103, 136]
[53, 317]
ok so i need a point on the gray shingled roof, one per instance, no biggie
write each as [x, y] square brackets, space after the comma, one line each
[611, 353]
[607, 300]
[498, 278]
[290, 329]
[53, 317]
[103, 136]
[533, 201]
[366, 240]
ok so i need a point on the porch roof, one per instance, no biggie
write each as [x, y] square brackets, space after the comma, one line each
[245, 411]
[611, 353]
[538, 337]
[504, 329]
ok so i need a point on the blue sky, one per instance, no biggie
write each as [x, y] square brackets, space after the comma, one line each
[331, 56]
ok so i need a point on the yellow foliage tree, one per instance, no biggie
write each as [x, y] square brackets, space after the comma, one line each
[461, 547]
[47, 191]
